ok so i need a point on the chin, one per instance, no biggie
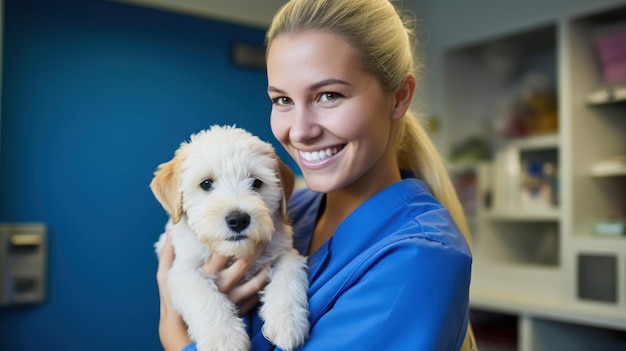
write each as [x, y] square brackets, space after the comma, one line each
[320, 184]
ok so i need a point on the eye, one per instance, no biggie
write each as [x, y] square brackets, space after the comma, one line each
[281, 101]
[206, 184]
[256, 183]
[329, 97]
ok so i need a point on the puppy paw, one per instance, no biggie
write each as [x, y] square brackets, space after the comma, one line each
[285, 308]
[222, 331]
[287, 331]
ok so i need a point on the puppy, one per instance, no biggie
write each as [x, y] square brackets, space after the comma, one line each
[225, 191]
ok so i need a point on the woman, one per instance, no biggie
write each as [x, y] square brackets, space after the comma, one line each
[389, 263]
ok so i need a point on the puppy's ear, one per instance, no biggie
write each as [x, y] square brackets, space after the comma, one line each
[287, 184]
[166, 187]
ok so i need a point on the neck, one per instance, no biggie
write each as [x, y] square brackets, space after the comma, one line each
[341, 203]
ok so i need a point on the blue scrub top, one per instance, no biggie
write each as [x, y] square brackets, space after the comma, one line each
[394, 276]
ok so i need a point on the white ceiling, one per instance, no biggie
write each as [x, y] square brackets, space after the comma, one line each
[257, 13]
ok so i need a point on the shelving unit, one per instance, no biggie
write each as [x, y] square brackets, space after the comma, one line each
[539, 100]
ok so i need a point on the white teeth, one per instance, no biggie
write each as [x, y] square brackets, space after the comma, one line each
[320, 155]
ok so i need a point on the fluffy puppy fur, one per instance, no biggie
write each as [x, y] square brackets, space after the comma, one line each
[225, 192]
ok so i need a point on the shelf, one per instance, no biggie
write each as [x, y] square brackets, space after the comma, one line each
[607, 96]
[608, 173]
[599, 243]
[610, 168]
[544, 188]
[596, 314]
[533, 142]
[548, 215]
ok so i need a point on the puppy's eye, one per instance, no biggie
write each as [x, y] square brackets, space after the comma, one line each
[206, 184]
[257, 183]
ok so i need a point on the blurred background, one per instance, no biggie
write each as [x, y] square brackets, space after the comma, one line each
[525, 99]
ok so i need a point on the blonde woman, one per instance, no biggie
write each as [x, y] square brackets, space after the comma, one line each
[388, 245]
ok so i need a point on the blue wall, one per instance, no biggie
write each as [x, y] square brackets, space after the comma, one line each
[95, 95]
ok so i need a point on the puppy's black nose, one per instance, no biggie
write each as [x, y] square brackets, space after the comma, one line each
[238, 221]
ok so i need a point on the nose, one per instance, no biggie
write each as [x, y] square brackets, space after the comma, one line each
[304, 126]
[238, 221]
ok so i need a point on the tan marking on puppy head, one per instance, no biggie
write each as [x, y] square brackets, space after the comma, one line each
[287, 184]
[166, 185]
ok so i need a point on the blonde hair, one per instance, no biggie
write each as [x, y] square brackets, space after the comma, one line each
[383, 41]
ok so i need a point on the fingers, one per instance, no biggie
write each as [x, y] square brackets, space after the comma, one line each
[246, 296]
[214, 264]
[166, 259]
[240, 294]
[228, 277]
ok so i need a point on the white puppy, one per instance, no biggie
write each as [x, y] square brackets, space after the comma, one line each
[226, 191]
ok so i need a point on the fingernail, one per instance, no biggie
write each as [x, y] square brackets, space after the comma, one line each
[168, 232]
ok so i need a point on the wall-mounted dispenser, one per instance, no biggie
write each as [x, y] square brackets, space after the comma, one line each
[23, 249]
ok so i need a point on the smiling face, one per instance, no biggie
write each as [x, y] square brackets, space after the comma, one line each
[330, 115]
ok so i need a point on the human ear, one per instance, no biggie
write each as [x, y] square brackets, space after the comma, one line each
[403, 97]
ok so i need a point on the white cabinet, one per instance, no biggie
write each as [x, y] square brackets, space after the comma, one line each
[537, 133]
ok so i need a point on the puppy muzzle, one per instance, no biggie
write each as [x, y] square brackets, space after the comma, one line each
[237, 222]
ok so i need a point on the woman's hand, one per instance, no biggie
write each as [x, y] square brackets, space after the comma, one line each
[245, 296]
[172, 327]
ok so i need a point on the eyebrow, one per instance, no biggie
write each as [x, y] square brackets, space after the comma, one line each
[315, 86]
